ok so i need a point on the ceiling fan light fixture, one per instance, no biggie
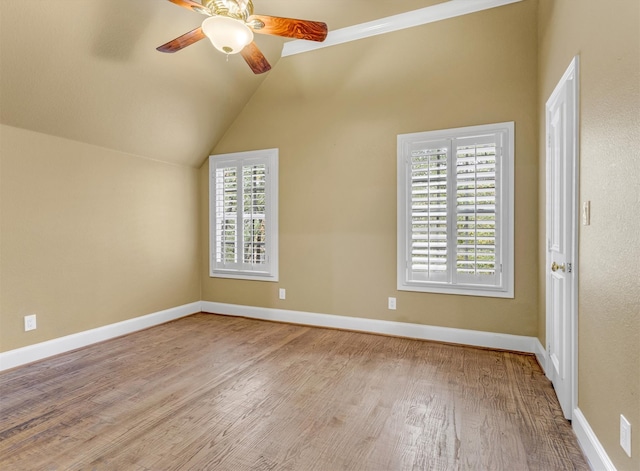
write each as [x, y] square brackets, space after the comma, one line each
[228, 35]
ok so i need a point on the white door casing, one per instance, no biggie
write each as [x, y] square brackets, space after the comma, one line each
[561, 235]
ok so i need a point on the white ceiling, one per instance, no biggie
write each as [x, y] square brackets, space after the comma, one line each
[88, 70]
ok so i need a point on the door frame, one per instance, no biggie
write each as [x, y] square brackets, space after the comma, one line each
[570, 77]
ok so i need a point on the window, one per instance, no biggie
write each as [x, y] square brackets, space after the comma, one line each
[243, 191]
[455, 211]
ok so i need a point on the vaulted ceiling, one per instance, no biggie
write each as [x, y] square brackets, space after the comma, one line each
[88, 70]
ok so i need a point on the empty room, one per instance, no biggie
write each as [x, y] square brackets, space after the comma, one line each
[319, 235]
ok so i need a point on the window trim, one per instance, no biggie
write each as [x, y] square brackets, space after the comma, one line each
[505, 188]
[270, 158]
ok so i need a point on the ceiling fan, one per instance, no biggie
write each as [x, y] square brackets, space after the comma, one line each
[231, 25]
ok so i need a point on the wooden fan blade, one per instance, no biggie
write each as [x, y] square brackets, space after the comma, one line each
[289, 27]
[255, 59]
[183, 41]
[193, 6]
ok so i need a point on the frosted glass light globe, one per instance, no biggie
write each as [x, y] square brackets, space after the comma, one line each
[228, 35]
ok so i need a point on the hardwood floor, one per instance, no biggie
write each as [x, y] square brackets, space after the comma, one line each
[220, 393]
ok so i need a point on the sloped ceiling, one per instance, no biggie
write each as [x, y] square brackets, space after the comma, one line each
[88, 70]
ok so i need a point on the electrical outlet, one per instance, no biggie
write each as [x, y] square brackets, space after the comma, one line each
[30, 322]
[625, 435]
[282, 294]
[392, 304]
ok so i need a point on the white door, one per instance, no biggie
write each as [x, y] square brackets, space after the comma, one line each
[561, 274]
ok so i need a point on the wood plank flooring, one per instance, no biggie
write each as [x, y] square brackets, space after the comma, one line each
[219, 393]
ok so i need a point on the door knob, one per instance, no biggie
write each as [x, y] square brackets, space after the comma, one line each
[555, 267]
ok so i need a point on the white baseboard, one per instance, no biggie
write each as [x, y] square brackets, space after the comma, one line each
[591, 446]
[541, 355]
[475, 338]
[39, 351]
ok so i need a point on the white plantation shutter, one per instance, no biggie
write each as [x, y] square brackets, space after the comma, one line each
[455, 223]
[254, 214]
[243, 192]
[476, 209]
[226, 220]
[429, 220]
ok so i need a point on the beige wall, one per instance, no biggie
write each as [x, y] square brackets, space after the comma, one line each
[606, 36]
[90, 236]
[335, 114]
